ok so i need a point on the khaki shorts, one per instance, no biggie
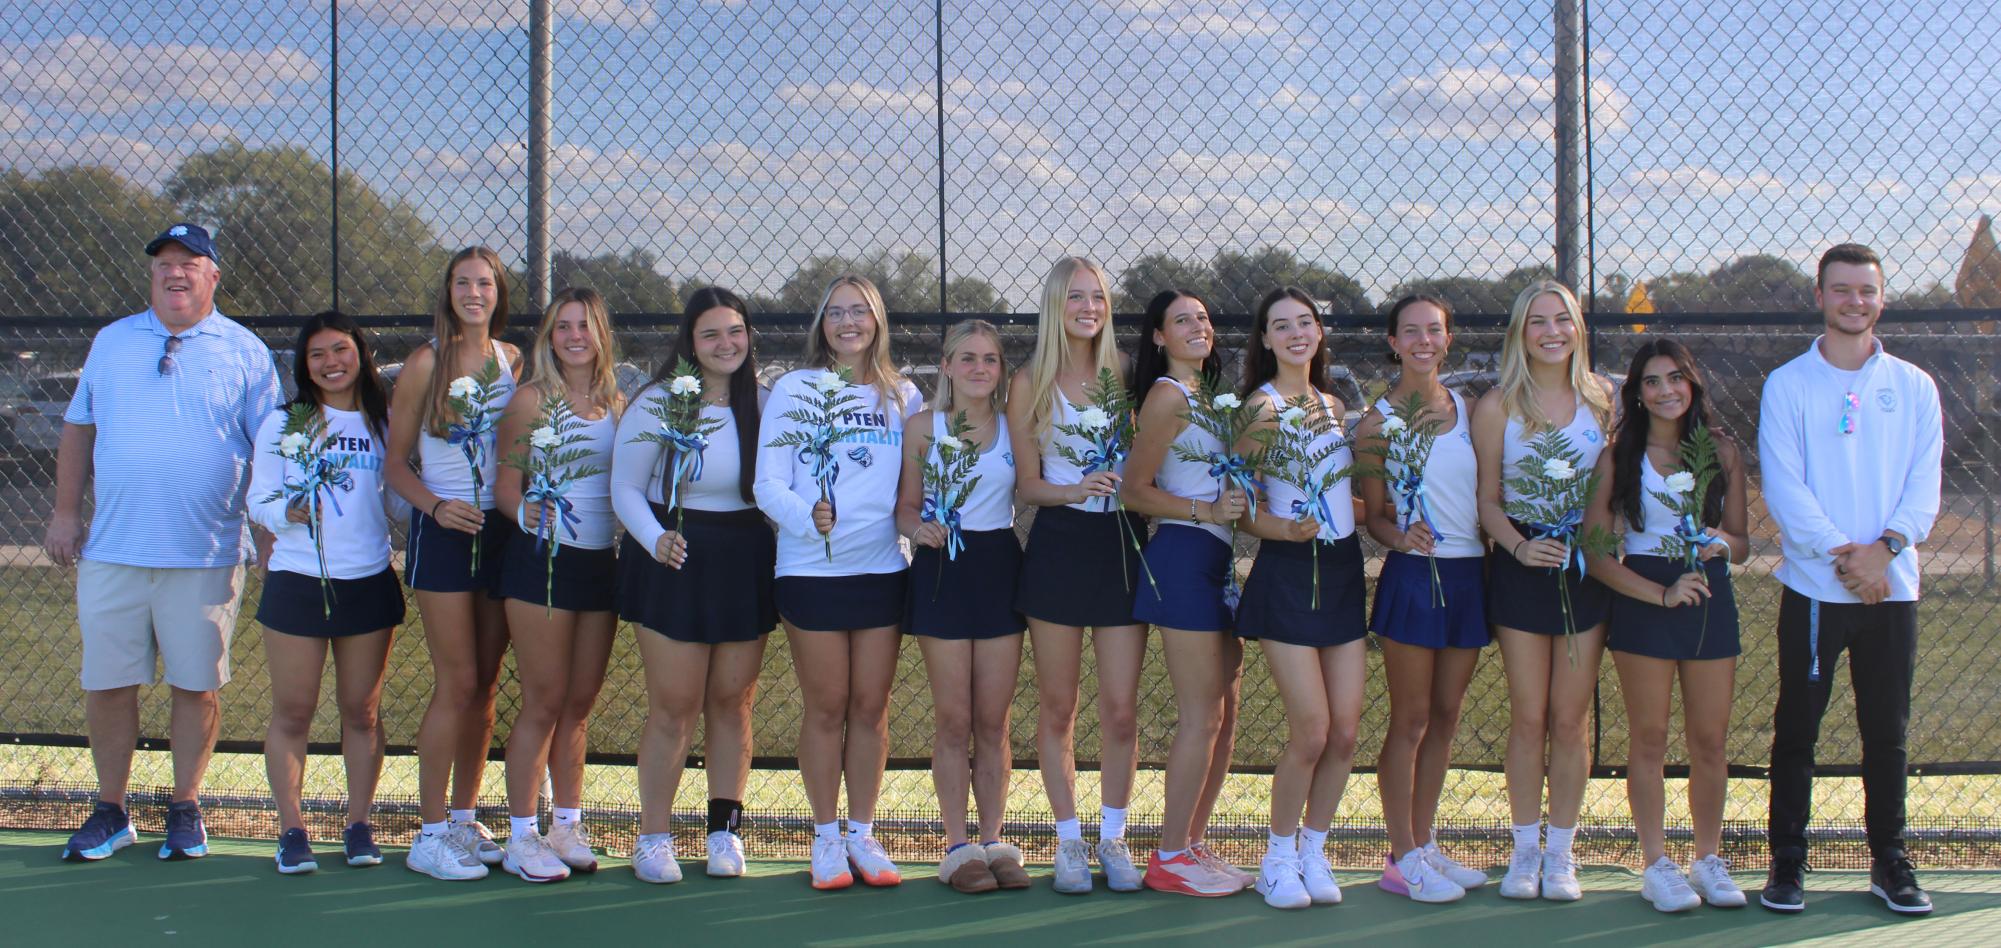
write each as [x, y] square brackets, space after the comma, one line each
[130, 614]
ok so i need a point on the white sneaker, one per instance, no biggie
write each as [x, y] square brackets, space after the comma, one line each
[1279, 881]
[654, 861]
[1710, 877]
[1203, 855]
[870, 863]
[1666, 888]
[725, 854]
[477, 840]
[1462, 876]
[529, 857]
[1318, 875]
[1117, 861]
[440, 857]
[1524, 878]
[1071, 873]
[1425, 884]
[830, 864]
[1559, 877]
[572, 844]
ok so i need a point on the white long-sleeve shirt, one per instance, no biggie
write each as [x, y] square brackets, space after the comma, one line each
[638, 470]
[864, 537]
[356, 535]
[1826, 488]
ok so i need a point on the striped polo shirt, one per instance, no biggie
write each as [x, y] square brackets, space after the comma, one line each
[171, 460]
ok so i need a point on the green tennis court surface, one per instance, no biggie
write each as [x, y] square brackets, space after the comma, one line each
[234, 897]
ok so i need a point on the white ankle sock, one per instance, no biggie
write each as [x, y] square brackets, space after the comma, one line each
[860, 830]
[1559, 838]
[1284, 845]
[437, 829]
[464, 816]
[1112, 823]
[828, 831]
[525, 826]
[1069, 829]
[1529, 837]
[1167, 854]
[566, 815]
[1311, 840]
[645, 838]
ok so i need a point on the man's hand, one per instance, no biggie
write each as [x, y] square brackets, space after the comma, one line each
[64, 540]
[1864, 569]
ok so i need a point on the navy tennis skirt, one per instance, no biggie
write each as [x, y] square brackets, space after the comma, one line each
[1407, 606]
[1190, 566]
[440, 559]
[292, 604]
[583, 580]
[722, 593]
[1278, 596]
[1529, 598]
[1080, 569]
[1684, 633]
[841, 603]
[970, 597]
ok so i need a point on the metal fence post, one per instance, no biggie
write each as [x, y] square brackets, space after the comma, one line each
[538, 153]
[333, 152]
[1569, 121]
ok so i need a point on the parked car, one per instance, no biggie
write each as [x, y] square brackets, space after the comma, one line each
[38, 415]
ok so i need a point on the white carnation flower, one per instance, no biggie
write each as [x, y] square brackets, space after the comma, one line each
[830, 382]
[1558, 469]
[1292, 417]
[1094, 419]
[684, 386]
[1393, 424]
[544, 437]
[463, 387]
[1228, 401]
[1680, 482]
[292, 443]
[949, 443]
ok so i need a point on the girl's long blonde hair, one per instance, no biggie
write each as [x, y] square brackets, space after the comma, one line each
[1052, 344]
[1518, 388]
[954, 338]
[545, 374]
[876, 362]
[445, 341]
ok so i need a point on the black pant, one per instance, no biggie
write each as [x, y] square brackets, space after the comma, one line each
[1882, 645]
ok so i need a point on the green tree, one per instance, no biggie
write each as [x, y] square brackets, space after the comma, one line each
[631, 282]
[1243, 278]
[72, 241]
[1757, 283]
[271, 213]
[908, 281]
[1471, 295]
[1155, 272]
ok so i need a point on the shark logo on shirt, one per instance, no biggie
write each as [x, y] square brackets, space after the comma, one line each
[861, 456]
[1886, 399]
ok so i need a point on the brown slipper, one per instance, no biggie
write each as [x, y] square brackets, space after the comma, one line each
[1004, 861]
[965, 870]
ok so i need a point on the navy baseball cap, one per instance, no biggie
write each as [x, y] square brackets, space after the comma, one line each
[192, 236]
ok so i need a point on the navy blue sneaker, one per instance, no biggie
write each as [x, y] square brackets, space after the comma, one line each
[359, 842]
[295, 853]
[186, 837]
[107, 831]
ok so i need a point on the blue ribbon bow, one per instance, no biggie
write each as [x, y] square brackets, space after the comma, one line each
[1414, 499]
[1104, 456]
[826, 470]
[1691, 533]
[1564, 530]
[1315, 508]
[470, 436]
[946, 512]
[550, 496]
[1232, 469]
[687, 447]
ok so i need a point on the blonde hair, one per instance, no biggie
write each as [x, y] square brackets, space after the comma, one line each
[445, 340]
[1518, 388]
[546, 375]
[879, 368]
[1052, 345]
[954, 338]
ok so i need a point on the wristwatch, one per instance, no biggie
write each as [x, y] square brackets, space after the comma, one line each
[1892, 543]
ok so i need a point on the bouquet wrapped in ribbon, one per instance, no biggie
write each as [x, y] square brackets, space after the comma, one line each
[1687, 489]
[1107, 426]
[549, 462]
[1549, 492]
[1228, 419]
[1408, 438]
[948, 481]
[683, 432]
[1290, 458]
[303, 441]
[472, 398]
[827, 399]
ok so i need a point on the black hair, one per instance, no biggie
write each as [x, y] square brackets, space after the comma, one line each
[1396, 313]
[743, 382]
[1629, 444]
[1150, 362]
[369, 394]
[1261, 363]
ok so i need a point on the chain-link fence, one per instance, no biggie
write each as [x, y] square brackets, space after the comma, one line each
[1684, 159]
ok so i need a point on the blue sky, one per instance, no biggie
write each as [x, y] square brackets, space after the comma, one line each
[1388, 139]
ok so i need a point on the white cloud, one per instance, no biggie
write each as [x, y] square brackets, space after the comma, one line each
[1179, 18]
[856, 97]
[93, 75]
[498, 14]
[1487, 103]
[146, 158]
[1292, 98]
[1232, 168]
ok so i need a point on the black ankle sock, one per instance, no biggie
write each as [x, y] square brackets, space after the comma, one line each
[725, 815]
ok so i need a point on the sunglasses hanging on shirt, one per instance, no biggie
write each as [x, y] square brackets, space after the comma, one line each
[1851, 409]
[167, 357]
